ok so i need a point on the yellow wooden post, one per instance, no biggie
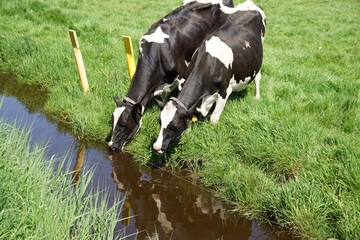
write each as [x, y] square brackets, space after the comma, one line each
[78, 165]
[129, 56]
[79, 61]
[126, 213]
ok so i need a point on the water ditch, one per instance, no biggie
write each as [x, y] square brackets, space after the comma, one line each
[160, 204]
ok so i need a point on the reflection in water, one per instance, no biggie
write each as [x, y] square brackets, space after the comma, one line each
[79, 164]
[166, 207]
[126, 213]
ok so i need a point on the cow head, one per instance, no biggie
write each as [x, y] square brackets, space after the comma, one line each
[173, 119]
[126, 122]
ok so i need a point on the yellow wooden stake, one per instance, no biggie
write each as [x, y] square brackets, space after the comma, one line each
[129, 56]
[79, 61]
[78, 165]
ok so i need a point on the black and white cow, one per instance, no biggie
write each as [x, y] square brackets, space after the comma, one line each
[165, 51]
[228, 59]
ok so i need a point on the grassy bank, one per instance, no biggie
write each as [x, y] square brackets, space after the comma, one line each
[292, 156]
[35, 203]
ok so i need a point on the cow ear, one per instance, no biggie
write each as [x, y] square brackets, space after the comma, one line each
[189, 114]
[137, 109]
[118, 102]
[137, 113]
[160, 104]
[202, 7]
[215, 11]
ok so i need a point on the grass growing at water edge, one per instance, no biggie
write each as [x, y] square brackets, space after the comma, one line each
[36, 203]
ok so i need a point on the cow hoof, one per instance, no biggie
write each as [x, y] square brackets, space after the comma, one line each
[214, 121]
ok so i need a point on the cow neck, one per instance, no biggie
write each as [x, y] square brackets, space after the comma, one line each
[192, 97]
[141, 97]
[147, 78]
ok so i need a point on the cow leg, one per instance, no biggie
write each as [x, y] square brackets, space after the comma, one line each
[165, 89]
[179, 82]
[257, 84]
[206, 104]
[220, 104]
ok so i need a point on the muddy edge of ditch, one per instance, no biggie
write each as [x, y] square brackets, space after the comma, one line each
[155, 198]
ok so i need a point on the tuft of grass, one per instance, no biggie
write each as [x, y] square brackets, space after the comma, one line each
[36, 203]
[292, 156]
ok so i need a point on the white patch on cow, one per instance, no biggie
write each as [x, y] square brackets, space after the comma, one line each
[247, 44]
[165, 224]
[262, 36]
[221, 102]
[142, 112]
[179, 83]
[203, 1]
[245, 6]
[140, 47]
[241, 85]
[117, 113]
[257, 85]
[220, 50]
[157, 37]
[187, 63]
[219, 107]
[166, 116]
[164, 19]
[207, 103]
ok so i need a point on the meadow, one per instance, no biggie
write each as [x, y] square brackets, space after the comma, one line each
[38, 203]
[293, 156]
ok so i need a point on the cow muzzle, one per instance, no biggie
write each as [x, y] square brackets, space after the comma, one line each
[113, 147]
[158, 149]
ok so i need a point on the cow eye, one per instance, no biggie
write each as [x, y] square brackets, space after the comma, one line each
[122, 122]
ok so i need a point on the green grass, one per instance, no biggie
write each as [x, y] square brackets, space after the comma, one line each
[293, 156]
[36, 203]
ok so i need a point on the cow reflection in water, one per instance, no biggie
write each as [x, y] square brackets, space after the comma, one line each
[167, 208]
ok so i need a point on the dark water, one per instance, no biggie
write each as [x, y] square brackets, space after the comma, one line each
[160, 205]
